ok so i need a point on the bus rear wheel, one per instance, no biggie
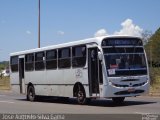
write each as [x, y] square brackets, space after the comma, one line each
[118, 100]
[81, 95]
[31, 94]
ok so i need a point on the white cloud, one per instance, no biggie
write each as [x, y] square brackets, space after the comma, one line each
[101, 32]
[129, 28]
[28, 32]
[60, 32]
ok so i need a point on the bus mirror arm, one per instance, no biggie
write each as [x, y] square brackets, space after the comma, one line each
[99, 55]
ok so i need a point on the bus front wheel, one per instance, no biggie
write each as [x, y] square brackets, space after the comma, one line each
[31, 94]
[118, 100]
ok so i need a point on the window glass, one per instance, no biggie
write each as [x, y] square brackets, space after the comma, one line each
[14, 60]
[64, 60]
[14, 64]
[29, 62]
[39, 61]
[51, 59]
[64, 53]
[39, 56]
[79, 56]
[29, 58]
[79, 51]
[52, 54]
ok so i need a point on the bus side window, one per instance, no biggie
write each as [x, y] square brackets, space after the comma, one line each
[14, 64]
[29, 62]
[64, 58]
[79, 56]
[51, 59]
[39, 61]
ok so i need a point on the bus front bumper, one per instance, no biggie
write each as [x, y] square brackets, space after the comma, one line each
[112, 91]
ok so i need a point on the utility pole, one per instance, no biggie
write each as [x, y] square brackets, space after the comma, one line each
[39, 23]
[150, 55]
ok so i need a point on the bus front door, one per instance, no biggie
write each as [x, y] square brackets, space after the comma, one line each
[21, 75]
[93, 71]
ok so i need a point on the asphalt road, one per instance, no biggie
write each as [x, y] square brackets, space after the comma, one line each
[11, 103]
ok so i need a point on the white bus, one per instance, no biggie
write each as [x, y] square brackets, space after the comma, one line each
[103, 67]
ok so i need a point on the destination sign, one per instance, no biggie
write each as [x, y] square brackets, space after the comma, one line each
[122, 42]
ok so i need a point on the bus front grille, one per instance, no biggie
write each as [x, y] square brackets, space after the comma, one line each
[127, 92]
[134, 85]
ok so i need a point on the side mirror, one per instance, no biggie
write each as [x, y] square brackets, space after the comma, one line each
[100, 55]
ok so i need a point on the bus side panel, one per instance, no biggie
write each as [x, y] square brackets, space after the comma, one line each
[16, 89]
[85, 76]
[55, 79]
[69, 76]
[37, 78]
[85, 82]
[69, 79]
[28, 76]
[40, 83]
[54, 76]
[14, 80]
[86, 87]
[57, 82]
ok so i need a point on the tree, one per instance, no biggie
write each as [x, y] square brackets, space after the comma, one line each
[152, 48]
[146, 35]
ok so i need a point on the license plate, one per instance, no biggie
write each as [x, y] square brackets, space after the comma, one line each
[131, 89]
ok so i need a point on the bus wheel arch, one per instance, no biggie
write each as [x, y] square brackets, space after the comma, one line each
[31, 96]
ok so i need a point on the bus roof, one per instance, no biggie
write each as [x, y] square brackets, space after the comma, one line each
[68, 44]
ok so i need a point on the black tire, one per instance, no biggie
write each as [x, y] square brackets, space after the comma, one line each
[118, 100]
[31, 96]
[81, 95]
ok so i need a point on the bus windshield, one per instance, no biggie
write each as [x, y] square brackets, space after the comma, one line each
[125, 60]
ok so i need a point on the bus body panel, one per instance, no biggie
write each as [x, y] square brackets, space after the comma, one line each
[14, 78]
[15, 88]
[54, 76]
[57, 82]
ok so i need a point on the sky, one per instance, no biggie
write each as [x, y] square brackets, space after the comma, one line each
[69, 20]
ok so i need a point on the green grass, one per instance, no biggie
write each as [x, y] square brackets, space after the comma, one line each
[4, 83]
[156, 85]
[155, 81]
